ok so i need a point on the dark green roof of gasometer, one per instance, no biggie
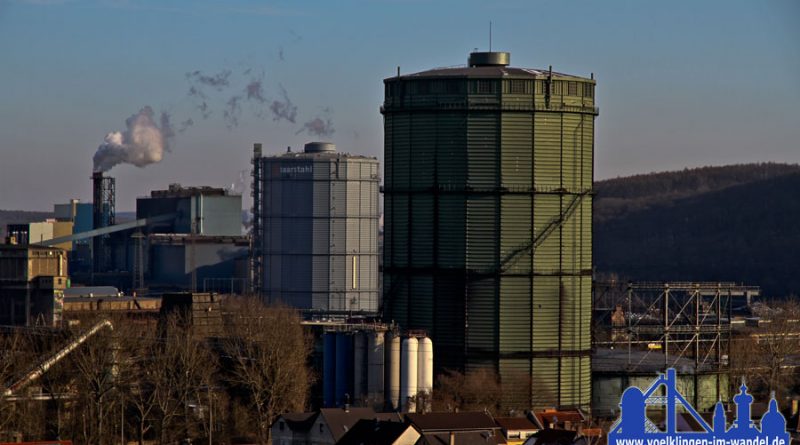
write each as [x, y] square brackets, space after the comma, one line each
[487, 72]
[488, 65]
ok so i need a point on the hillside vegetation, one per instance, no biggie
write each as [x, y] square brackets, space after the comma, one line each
[737, 223]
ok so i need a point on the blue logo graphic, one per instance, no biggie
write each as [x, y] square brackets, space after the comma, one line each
[634, 428]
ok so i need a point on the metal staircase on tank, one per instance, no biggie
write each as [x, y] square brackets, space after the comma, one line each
[530, 246]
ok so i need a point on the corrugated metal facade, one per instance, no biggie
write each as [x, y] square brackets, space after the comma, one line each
[488, 237]
[321, 232]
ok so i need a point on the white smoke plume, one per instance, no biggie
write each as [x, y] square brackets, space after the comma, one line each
[143, 143]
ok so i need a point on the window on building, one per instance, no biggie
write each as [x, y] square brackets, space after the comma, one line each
[484, 86]
[321, 428]
[454, 86]
[281, 425]
[517, 86]
[572, 88]
[588, 90]
[556, 88]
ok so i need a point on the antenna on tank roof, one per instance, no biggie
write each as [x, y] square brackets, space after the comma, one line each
[490, 36]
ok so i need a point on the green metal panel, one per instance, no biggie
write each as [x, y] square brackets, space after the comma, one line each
[545, 313]
[515, 314]
[517, 152]
[545, 377]
[422, 236]
[481, 233]
[482, 150]
[515, 231]
[547, 151]
[451, 232]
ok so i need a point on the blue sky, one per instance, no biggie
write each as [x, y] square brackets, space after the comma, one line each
[680, 83]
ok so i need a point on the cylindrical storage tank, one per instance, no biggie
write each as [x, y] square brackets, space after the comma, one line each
[319, 214]
[509, 178]
[408, 374]
[392, 374]
[359, 367]
[329, 370]
[375, 362]
[344, 368]
[425, 370]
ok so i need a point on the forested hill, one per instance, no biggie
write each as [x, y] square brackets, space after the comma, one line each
[737, 223]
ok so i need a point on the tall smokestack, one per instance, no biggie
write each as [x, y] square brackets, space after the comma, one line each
[103, 215]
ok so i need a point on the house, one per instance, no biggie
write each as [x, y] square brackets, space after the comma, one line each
[566, 419]
[323, 427]
[292, 428]
[380, 432]
[516, 429]
[456, 429]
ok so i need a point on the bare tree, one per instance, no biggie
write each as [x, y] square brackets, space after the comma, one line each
[763, 356]
[94, 382]
[476, 390]
[268, 353]
[180, 371]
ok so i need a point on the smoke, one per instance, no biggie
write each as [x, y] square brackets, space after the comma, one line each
[185, 125]
[142, 143]
[283, 109]
[243, 92]
[233, 109]
[255, 91]
[318, 127]
[217, 81]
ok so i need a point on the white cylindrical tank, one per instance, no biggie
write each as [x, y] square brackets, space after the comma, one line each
[392, 382]
[408, 374]
[375, 361]
[425, 369]
[359, 367]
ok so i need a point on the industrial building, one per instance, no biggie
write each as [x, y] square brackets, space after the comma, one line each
[201, 247]
[315, 230]
[32, 283]
[488, 221]
[183, 239]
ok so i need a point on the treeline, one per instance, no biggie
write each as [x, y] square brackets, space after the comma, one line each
[700, 225]
[619, 197]
[143, 383]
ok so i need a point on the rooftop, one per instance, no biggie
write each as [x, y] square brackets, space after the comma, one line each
[375, 432]
[451, 421]
[515, 423]
[489, 69]
[179, 191]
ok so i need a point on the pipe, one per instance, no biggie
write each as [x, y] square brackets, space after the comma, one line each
[55, 358]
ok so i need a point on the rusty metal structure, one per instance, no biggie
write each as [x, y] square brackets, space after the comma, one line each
[659, 325]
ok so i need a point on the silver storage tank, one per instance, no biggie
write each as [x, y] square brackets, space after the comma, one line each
[319, 217]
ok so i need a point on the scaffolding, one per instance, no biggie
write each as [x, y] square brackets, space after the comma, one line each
[257, 235]
[688, 323]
